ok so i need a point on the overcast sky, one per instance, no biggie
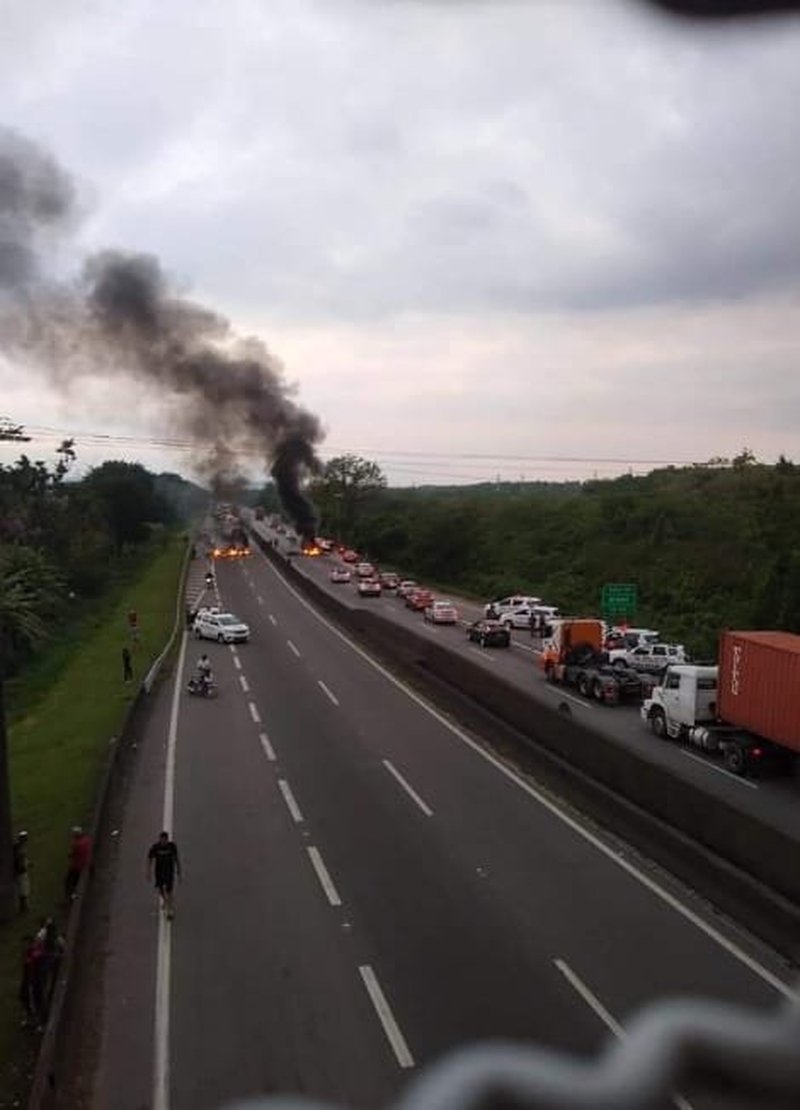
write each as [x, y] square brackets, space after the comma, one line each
[525, 231]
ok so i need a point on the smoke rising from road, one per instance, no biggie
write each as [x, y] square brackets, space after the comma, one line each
[120, 317]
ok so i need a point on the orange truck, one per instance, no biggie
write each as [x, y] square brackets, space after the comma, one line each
[574, 656]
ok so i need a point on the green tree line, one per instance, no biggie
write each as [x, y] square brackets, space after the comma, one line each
[709, 547]
[62, 541]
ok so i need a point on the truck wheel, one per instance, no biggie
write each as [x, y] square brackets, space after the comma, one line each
[658, 724]
[735, 759]
[583, 685]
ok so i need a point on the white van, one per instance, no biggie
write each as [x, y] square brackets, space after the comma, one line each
[493, 610]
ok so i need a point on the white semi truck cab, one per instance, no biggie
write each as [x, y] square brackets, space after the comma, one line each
[684, 707]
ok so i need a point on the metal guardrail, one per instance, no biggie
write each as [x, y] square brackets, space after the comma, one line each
[666, 1047]
[151, 676]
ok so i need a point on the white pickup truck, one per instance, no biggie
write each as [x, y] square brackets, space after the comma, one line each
[649, 658]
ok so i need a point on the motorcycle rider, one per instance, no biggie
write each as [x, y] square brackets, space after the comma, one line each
[204, 677]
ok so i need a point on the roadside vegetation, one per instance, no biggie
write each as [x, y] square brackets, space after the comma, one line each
[75, 558]
[709, 547]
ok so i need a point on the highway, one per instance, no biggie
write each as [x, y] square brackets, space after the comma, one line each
[365, 887]
[774, 800]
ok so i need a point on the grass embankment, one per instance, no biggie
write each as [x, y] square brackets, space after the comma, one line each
[63, 715]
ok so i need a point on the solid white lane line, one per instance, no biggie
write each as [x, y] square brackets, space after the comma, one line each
[164, 953]
[720, 770]
[291, 647]
[594, 1003]
[570, 697]
[408, 788]
[289, 798]
[272, 619]
[326, 882]
[660, 892]
[245, 684]
[327, 692]
[386, 1017]
[269, 751]
[483, 654]
[254, 713]
[237, 662]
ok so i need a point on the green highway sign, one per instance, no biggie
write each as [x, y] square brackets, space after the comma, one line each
[618, 599]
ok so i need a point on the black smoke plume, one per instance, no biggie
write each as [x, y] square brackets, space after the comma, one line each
[36, 197]
[122, 318]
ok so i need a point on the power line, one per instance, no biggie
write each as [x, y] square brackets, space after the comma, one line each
[428, 457]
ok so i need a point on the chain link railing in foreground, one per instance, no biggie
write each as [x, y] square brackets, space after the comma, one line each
[666, 1047]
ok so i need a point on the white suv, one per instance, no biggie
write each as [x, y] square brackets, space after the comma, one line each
[225, 628]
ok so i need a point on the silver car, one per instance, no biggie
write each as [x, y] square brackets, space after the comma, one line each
[225, 628]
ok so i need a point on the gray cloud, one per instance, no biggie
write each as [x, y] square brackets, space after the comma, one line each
[363, 169]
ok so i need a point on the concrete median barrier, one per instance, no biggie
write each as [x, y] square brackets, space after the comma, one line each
[743, 866]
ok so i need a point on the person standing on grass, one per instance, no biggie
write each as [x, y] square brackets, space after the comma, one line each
[163, 859]
[80, 856]
[22, 880]
[127, 666]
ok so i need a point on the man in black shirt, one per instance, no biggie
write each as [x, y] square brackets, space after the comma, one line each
[163, 858]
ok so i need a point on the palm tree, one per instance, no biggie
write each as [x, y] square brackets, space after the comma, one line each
[22, 601]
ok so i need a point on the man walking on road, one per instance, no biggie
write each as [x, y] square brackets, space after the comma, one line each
[163, 857]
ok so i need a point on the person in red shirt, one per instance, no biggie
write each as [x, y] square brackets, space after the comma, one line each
[80, 856]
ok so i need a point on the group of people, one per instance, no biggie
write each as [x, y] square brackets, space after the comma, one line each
[42, 950]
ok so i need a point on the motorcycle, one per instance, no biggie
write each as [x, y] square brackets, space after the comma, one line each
[203, 688]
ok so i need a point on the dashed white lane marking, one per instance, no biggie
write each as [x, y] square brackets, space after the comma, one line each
[720, 770]
[594, 1003]
[234, 652]
[291, 647]
[254, 712]
[589, 998]
[272, 619]
[291, 803]
[606, 850]
[328, 693]
[260, 600]
[484, 654]
[386, 1017]
[245, 684]
[326, 882]
[409, 789]
[237, 662]
[269, 751]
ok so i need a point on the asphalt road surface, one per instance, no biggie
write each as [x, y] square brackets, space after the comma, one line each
[366, 887]
[774, 800]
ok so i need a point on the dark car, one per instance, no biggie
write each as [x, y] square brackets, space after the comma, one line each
[389, 580]
[489, 633]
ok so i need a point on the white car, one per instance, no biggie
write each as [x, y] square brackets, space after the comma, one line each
[521, 618]
[502, 605]
[225, 628]
[340, 574]
[442, 612]
[365, 570]
[369, 587]
[650, 658]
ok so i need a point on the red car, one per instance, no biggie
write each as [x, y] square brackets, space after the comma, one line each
[419, 600]
[349, 556]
